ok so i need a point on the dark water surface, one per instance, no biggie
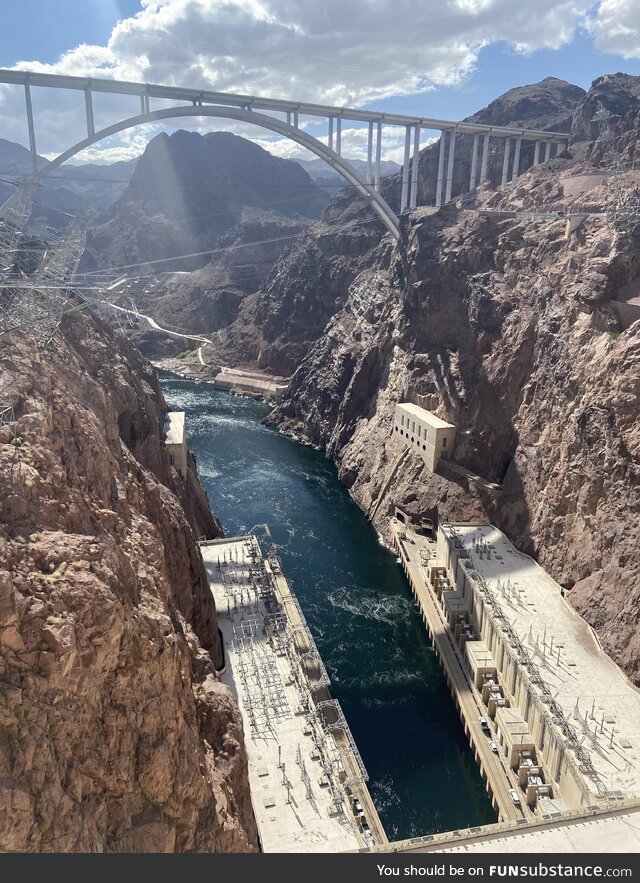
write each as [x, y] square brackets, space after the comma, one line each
[423, 777]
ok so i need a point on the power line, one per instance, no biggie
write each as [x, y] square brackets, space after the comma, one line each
[210, 251]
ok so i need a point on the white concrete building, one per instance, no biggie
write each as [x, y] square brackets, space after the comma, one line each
[427, 434]
[176, 440]
[578, 713]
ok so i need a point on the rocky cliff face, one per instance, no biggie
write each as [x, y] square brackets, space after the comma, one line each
[115, 734]
[276, 327]
[188, 190]
[222, 199]
[508, 330]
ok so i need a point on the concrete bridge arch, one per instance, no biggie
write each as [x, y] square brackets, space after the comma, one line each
[367, 191]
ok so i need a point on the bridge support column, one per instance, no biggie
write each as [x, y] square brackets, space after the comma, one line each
[330, 138]
[144, 104]
[474, 163]
[516, 161]
[547, 151]
[370, 153]
[405, 169]
[338, 135]
[536, 154]
[296, 122]
[88, 104]
[378, 154]
[413, 198]
[32, 131]
[443, 139]
[485, 158]
[505, 161]
[452, 151]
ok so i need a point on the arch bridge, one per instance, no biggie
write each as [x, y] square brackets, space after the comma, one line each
[282, 116]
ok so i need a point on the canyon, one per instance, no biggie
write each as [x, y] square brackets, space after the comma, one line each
[490, 312]
[117, 734]
[500, 325]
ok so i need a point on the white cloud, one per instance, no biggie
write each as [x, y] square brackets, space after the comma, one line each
[616, 27]
[337, 52]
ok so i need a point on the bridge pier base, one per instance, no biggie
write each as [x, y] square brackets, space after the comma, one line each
[485, 158]
[413, 198]
[405, 169]
[536, 154]
[474, 163]
[505, 161]
[443, 139]
[452, 151]
[378, 155]
[516, 161]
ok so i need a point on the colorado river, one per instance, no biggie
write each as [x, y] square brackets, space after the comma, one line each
[423, 777]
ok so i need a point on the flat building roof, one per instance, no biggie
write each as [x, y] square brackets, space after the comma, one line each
[597, 699]
[454, 599]
[426, 416]
[480, 654]
[174, 427]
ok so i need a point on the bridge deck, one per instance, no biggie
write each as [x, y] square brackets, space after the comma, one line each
[254, 102]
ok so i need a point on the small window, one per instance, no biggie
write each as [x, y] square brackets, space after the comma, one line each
[396, 428]
[412, 439]
[172, 460]
[401, 432]
[424, 447]
[444, 442]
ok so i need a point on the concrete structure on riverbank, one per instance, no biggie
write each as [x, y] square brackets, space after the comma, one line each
[176, 440]
[561, 719]
[596, 831]
[575, 708]
[308, 782]
[553, 722]
[429, 435]
[251, 383]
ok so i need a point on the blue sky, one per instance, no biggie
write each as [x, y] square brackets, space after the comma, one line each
[444, 58]
[43, 30]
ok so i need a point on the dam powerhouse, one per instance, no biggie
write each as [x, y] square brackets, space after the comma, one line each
[552, 721]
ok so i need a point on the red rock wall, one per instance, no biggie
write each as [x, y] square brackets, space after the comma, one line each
[115, 734]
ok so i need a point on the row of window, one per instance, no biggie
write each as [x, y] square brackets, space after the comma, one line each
[444, 440]
[410, 425]
[424, 447]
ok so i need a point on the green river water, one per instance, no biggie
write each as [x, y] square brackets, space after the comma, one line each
[423, 777]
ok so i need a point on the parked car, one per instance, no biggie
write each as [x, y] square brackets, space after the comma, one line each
[513, 794]
[483, 723]
[493, 746]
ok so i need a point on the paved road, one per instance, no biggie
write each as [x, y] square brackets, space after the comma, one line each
[204, 341]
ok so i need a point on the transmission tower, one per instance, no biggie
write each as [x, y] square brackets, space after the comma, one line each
[59, 263]
[37, 303]
[14, 214]
[624, 208]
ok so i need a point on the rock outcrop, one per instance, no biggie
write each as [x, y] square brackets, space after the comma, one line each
[115, 732]
[277, 325]
[188, 190]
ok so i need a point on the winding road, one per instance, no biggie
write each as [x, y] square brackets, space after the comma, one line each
[203, 341]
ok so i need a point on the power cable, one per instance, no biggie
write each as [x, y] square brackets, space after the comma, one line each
[211, 251]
